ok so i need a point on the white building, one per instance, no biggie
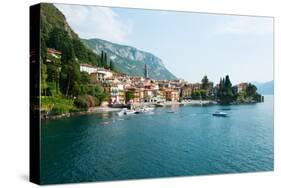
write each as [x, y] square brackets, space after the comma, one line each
[104, 74]
[88, 68]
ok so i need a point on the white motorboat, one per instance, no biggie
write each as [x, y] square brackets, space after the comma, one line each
[220, 114]
[122, 112]
[129, 112]
[171, 112]
[160, 104]
[139, 111]
[148, 109]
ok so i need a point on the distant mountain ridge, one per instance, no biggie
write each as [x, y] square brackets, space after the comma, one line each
[266, 88]
[130, 60]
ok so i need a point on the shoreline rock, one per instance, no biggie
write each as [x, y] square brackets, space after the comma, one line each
[92, 110]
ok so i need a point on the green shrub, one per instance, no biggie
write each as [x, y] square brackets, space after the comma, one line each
[57, 105]
[85, 102]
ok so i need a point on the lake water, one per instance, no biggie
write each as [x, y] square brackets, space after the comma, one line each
[160, 144]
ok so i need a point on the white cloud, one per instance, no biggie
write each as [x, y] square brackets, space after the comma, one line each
[247, 25]
[96, 22]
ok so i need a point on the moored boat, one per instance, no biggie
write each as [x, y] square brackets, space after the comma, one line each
[139, 111]
[148, 109]
[171, 111]
[220, 114]
[122, 112]
[129, 112]
[160, 104]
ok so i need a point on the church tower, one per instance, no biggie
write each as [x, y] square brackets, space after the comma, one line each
[145, 71]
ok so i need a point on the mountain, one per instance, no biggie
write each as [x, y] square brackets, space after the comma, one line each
[130, 60]
[56, 33]
[266, 88]
[52, 18]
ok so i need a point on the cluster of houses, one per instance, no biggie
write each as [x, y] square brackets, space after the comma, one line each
[144, 89]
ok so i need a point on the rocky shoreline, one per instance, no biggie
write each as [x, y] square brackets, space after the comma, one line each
[92, 110]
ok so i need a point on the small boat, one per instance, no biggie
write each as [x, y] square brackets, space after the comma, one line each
[139, 111]
[129, 112]
[122, 112]
[226, 109]
[220, 114]
[144, 110]
[160, 104]
[148, 109]
[171, 111]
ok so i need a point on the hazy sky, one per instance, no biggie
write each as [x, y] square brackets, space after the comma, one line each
[191, 45]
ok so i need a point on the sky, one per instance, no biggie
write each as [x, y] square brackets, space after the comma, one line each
[190, 45]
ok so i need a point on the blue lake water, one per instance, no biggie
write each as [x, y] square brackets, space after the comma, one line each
[188, 142]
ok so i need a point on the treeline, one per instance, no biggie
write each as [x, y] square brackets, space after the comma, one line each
[225, 93]
[106, 63]
[61, 77]
[204, 92]
[228, 94]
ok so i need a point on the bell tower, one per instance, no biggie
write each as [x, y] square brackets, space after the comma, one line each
[145, 71]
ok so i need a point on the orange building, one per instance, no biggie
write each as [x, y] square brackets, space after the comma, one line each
[172, 95]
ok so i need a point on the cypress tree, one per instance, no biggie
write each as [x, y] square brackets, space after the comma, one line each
[105, 60]
[102, 59]
[225, 93]
[111, 65]
[205, 82]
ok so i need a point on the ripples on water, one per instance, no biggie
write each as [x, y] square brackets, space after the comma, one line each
[159, 144]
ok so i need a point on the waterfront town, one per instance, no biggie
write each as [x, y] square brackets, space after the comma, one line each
[125, 89]
[121, 90]
[146, 90]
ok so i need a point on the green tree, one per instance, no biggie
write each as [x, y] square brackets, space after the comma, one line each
[93, 58]
[251, 90]
[105, 61]
[225, 94]
[220, 89]
[43, 79]
[60, 40]
[70, 77]
[199, 94]
[99, 93]
[129, 96]
[205, 82]
[112, 65]
[53, 75]
[101, 59]
[43, 50]
[85, 87]
[80, 50]
[85, 78]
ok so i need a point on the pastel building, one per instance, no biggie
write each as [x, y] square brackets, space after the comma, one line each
[116, 93]
[53, 55]
[100, 75]
[172, 95]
